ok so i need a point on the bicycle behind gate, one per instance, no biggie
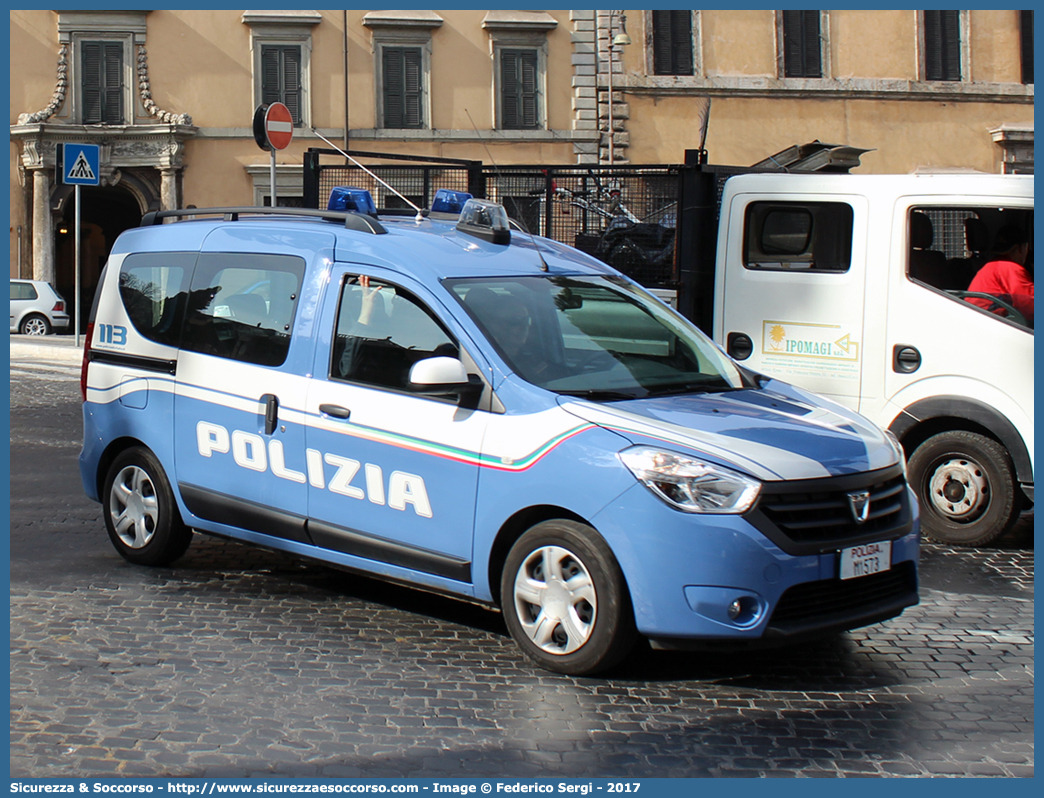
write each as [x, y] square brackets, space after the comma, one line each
[642, 247]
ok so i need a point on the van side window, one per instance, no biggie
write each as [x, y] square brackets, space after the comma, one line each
[979, 255]
[241, 306]
[784, 236]
[154, 290]
[382, 331]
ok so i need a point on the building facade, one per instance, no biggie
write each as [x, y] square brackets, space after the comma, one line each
[170, 96]
[924, 90]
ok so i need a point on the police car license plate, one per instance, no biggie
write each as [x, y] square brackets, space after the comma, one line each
[870, 558]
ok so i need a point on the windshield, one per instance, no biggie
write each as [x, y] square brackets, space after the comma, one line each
[597, 337]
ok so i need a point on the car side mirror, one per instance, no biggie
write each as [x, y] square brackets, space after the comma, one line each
[442, 375]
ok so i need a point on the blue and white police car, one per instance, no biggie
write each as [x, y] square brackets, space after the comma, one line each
[435, 399]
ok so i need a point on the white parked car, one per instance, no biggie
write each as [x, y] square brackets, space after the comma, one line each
[36, 308]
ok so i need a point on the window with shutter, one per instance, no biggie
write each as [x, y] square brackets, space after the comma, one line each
[281, 77]
[802, 48]
[519, 95]
[672, 43]
[1026, 29]
[101, 84]
[942, 45]
[402, 70]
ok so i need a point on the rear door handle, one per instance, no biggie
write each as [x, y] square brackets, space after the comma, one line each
[335, 411]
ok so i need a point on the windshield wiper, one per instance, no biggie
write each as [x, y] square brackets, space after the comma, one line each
[693, 387]
[598, 395]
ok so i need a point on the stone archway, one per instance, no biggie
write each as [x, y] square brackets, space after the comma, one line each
[106, 212]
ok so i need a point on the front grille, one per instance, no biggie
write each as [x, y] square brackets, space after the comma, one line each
[816, 514]
[814, 601]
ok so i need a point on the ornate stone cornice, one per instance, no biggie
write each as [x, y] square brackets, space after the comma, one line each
[519, 20]
[825, 88]
[299, 18]
[121, 146]
[1013, 132]
[58, 98]
[118, 22]
[402, 19]
[1016, 141]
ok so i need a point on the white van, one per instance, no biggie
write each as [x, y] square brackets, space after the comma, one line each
[857, 287]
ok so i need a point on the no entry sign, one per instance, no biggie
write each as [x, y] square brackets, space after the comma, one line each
[273, 130]
[273, 126]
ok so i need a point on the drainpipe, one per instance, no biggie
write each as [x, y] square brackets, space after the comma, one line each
[345, 17]
[612, 133]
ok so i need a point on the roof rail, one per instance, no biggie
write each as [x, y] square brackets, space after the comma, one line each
[353, 221]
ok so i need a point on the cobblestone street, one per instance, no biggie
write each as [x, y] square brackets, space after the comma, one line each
[496, 403]
[239, 662]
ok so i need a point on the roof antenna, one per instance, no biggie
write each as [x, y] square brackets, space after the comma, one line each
[420, 214]
[517, 222]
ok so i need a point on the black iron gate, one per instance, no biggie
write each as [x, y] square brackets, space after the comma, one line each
[626, 216]
[416, 178]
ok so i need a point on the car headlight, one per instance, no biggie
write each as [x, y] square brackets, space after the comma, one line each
[689, 484]
[899, 451]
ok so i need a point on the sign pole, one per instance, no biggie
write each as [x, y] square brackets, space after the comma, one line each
[76, 270]
[272, 177]
[79, 165]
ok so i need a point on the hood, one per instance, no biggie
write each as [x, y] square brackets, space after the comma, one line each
[773, 434]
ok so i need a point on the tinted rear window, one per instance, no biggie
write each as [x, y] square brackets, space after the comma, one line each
[154, 290]
[242, 306]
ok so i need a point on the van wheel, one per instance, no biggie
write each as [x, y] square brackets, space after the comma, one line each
[141, 515]
[35, 325]
[564, 599]
[965, 483]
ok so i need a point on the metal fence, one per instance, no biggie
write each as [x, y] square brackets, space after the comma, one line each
[626, 216]
[417, 179]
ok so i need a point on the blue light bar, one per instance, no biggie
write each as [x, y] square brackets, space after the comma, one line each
[349, 198]
[448, 201]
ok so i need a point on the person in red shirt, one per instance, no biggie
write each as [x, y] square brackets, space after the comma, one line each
[1005, 276]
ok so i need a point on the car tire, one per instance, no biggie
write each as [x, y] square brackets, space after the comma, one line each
[966, 486]
[141, 516]
[35, 324]
[565, 600]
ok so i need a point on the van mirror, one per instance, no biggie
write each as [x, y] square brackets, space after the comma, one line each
[438, 376]
[437, 371]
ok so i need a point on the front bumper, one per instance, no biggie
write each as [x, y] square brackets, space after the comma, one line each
[686, 571]
[815, 609]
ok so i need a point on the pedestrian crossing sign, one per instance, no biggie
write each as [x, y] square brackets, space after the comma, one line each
[78, 164]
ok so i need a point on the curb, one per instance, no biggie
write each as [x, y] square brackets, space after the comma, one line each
[62, 348]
